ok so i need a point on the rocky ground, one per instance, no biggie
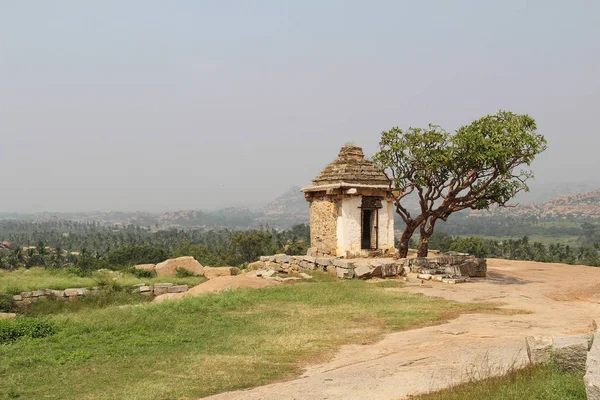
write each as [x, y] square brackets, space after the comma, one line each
[537, 298]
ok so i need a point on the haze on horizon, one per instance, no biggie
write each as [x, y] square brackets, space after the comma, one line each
[150, 106]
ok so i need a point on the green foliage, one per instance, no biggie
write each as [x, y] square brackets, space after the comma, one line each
[14, 329]
[141, 273]
[132, 255]
[182, 273]
[472, 245]
[99, 247]
[6, 303]
[471, 169]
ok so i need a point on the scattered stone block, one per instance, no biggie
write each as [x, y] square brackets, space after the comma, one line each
[71, 292]
[37, 293]
[425, 277]
[343, 263]
[251, 267]
[539, 349]
[454, 280]
[17, 297]
[309, 259]
[161, 289]
[305, 276]
[177, 289]
[282, 258]
[376, 271]
[570, 352]
[145, 289]
[324, 261]
[268, 274]
[344, 273]
[267, 258]
[363, 271]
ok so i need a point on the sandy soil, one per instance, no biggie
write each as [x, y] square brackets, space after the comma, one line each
[557, 299]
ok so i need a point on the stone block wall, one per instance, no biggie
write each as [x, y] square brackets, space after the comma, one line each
[25, 298]
[323, 225]
[448, 268]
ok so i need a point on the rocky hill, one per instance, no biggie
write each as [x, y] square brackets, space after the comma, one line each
[585, 204]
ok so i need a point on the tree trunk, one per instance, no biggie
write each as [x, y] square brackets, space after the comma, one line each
[404, 239]
[426, 231]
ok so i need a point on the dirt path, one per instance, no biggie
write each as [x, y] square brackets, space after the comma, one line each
[559, 299]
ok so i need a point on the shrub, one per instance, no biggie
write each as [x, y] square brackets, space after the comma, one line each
[182, 273]
[141, 273]
[5, 303]
[14, 329]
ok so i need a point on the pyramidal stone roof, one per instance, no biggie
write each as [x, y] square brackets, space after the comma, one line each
[351, 167]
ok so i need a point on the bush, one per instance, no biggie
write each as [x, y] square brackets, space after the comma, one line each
[183, 273]
[14, 329]
[6, 304]
[141, 273]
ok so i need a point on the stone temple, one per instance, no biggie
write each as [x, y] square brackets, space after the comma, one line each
[351, 208]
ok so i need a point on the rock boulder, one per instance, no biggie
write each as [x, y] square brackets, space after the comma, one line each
[213, 272]
[169, 267]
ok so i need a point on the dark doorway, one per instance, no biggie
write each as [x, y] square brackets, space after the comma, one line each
[367, 219]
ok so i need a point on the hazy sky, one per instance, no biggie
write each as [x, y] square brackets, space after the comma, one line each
[165, 105]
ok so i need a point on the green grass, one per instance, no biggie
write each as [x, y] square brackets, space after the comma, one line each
[534, 383]
[209, 344]
[23, 280]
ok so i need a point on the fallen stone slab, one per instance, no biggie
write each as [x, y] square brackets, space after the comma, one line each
[177, 289]
[268, 274]
[305, 275]
[539, 349]
[17, 297]
[425, 277]
[362, 271]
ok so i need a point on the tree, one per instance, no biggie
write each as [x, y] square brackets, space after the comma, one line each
[474, 168]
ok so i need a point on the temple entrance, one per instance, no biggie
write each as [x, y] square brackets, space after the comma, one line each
[369, 236]
[367, 219]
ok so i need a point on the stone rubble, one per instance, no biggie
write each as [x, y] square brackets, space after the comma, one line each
[25, 298]
[449, 268]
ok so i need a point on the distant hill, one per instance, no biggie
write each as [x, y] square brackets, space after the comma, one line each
[575, 205]
[542, 192]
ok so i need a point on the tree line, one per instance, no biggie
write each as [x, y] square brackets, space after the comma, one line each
[518, 249]
[100, 247]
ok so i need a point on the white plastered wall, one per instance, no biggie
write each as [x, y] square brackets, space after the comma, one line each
[386, 225]
[349, 225]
